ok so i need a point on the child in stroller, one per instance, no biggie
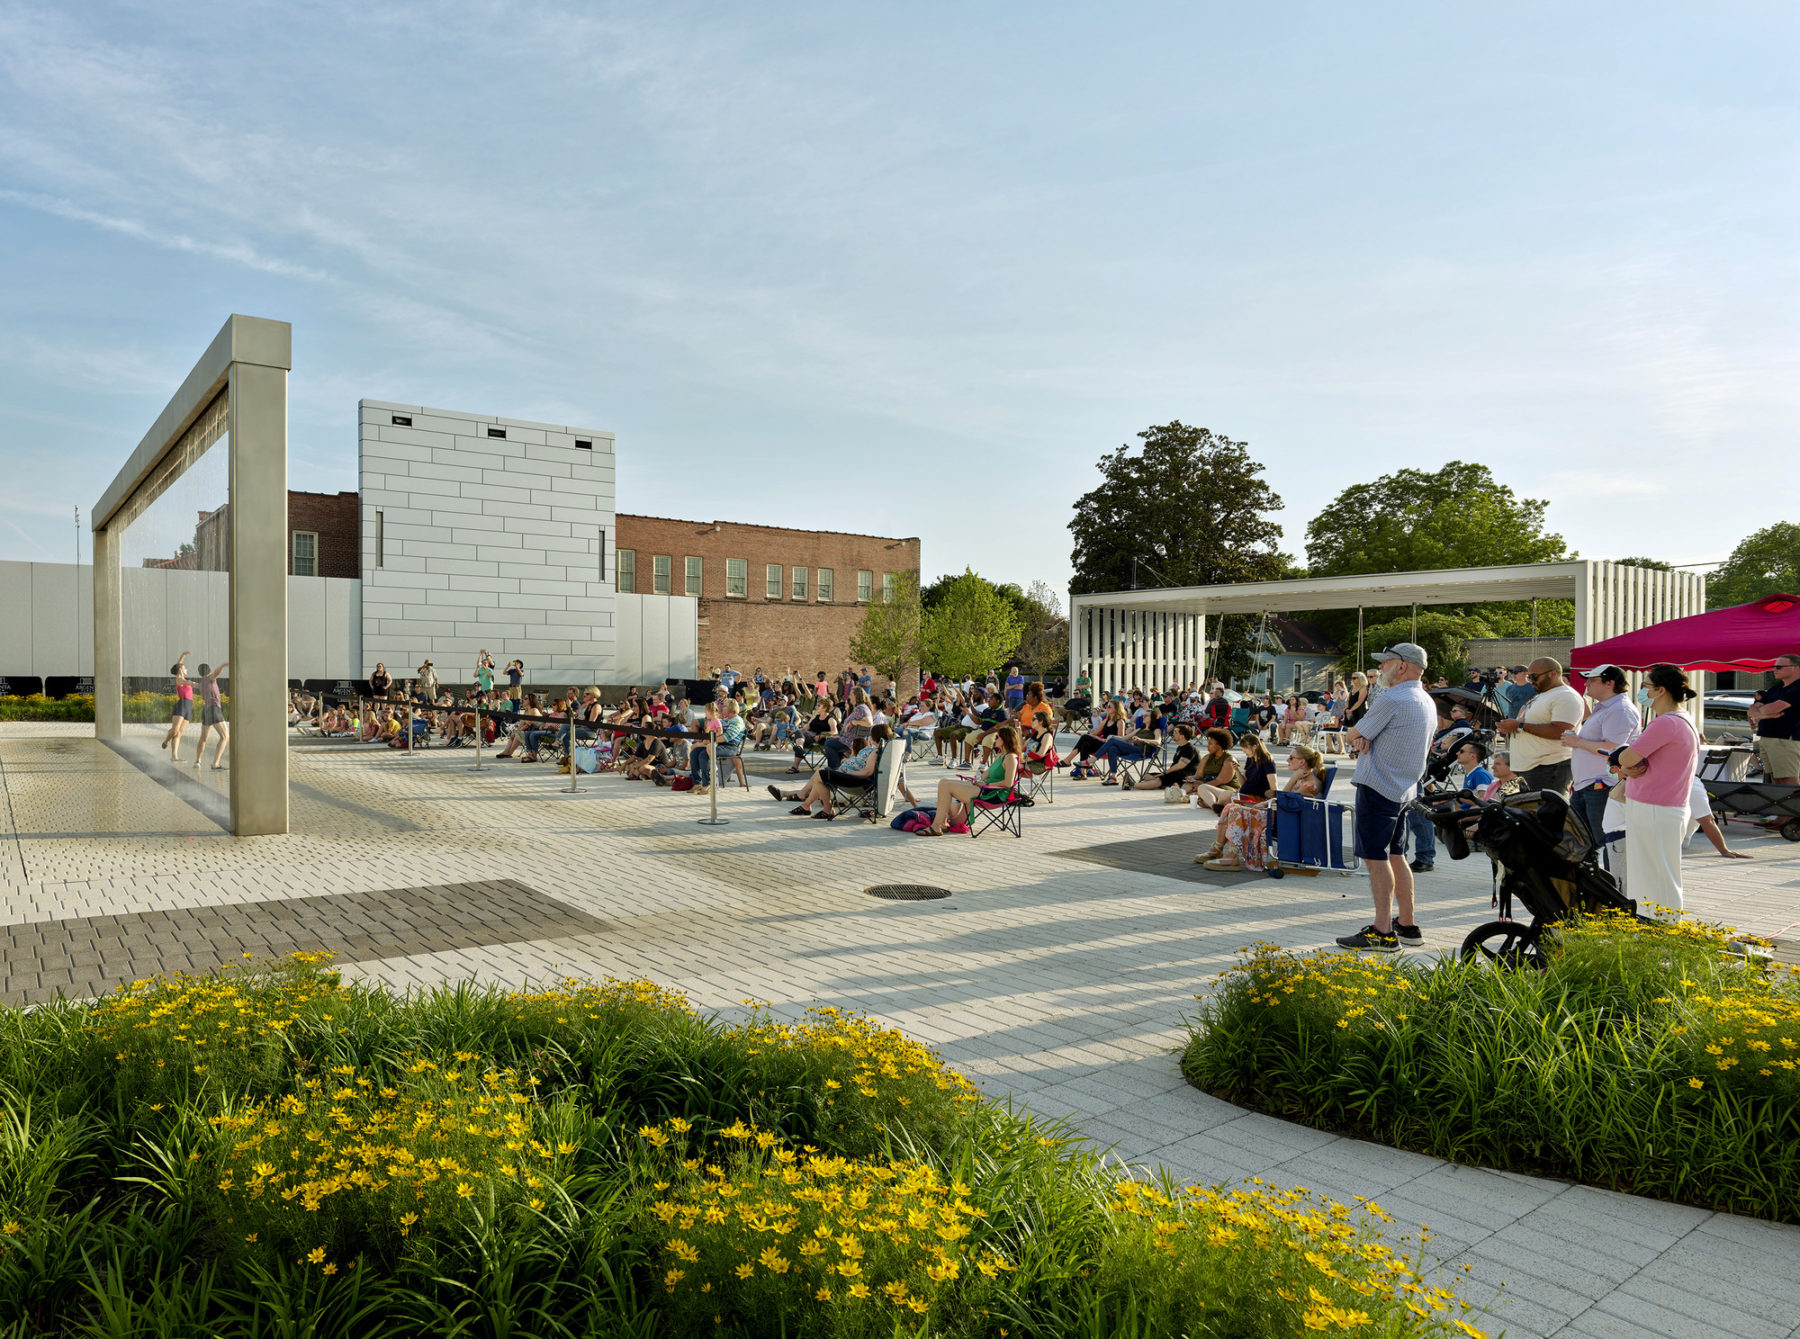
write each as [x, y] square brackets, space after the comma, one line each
[1542, 854]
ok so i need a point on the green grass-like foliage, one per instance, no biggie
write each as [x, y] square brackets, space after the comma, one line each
[275, 1151]
[1647, 1058]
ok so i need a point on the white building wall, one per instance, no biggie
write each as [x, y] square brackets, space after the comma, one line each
[486, 543]
[658, 638]
[176, 611]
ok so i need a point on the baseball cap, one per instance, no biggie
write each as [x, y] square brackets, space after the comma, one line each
[1411, 652]
[1517, 669]
[1611, 673]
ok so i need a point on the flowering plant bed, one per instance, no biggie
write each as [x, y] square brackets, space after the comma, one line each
[276, 1151]
[1649, 1058]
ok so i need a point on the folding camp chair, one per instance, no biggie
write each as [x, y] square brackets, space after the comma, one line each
[1006, 813]
[919, 747]
[1038, 776]
[863, 796]
[1153, 762]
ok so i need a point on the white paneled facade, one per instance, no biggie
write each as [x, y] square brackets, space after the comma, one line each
[174, 611]
[473, 540]
[658, 638]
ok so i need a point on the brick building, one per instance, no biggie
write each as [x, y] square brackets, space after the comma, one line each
[324, 538]
[324, 535]
[769, 596]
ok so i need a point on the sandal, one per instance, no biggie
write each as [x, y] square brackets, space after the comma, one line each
[1224, 864]
[803, 811]
[825, 814]
[775, 793]
[1110, 781]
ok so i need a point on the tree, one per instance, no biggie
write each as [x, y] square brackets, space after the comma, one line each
[1655, 564]
[1191, 507]
[1044, 632]
[1414, 521]
[971, 629]
[1766, 562]
[890, 634]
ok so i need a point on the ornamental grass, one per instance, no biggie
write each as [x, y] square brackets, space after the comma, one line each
[1654, 1058]
[276, 1151]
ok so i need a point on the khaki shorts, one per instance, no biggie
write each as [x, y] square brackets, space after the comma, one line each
[1780, 757]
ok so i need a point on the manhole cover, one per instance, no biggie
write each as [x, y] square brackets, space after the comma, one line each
[906, 892]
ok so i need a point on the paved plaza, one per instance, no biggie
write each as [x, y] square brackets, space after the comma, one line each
[1056, 972]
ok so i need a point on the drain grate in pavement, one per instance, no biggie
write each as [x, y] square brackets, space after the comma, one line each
[907, 892]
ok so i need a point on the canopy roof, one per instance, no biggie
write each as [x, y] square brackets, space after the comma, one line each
[1743, 637]
[1451, 585]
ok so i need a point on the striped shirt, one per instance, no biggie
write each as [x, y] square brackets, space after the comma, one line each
[1398, 727]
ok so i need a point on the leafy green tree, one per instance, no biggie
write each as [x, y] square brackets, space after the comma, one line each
[1044, 632]
[1766, 562]
[890, 636]
[1415, 521]
[972, 627]
[1191, 507]
[1656, 564]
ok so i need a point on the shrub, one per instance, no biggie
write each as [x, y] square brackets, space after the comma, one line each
[275, 1150]
[1646, 1057]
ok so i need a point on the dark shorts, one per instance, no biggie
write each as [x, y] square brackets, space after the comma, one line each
[211, 715]
[184, 709]
[845, 780]
[1380, 826]
[1551, 776]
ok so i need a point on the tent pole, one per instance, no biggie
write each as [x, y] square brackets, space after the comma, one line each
[1359, 648]
[1534, 629]
[1415, 624]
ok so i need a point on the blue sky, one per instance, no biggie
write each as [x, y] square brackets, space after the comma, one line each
[912, 269]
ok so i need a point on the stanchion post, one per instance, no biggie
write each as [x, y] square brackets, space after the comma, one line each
[712, 789]
[409, 730]
[574, 771]
[480, 731]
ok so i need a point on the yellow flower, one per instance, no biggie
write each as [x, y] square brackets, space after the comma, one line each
[745, 1271]
[316, 1255]
[823, 1295]
[464, 1189]
[859, 1291]
[1696, 1083]
[330, 1269]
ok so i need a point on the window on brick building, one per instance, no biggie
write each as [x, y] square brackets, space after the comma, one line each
[737, 579]
[826, 578]
[659, 573]
[306, 553]
[772, 581]
[627, 564]
[799, 583]
[865, 586]
[690, 576]
[887, 587]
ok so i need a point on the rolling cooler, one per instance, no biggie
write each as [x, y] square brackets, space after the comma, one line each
[1312, 835]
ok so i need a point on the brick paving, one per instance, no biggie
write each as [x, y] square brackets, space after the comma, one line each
[90, 955]
[1057, 982]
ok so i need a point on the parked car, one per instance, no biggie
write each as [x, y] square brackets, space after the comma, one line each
[1725, 714]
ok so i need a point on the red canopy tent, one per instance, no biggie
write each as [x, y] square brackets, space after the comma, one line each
[1743, 637]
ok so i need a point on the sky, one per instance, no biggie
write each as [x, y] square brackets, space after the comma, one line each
[912, 269]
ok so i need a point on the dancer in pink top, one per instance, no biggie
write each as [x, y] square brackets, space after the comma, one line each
[1659, 768]
[183, 711]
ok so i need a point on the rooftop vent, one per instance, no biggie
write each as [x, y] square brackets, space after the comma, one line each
[497, 432]
[403, 420]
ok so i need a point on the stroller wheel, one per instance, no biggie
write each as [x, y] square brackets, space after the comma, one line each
[1506, 944]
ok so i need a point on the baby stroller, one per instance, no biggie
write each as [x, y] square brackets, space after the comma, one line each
[1543, 855]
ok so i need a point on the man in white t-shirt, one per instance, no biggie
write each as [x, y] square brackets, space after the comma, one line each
[1537, 749]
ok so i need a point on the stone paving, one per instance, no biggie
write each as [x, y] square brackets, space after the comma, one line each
[1058, 982]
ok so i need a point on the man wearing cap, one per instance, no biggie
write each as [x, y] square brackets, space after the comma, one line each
[1516, 691]
[1613, 723]
[1776, 713]
[1393, 739]
[1537, 750]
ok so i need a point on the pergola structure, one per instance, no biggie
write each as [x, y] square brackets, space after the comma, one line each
[1152, 638]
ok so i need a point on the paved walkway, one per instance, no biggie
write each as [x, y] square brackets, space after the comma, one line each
[1058, 981]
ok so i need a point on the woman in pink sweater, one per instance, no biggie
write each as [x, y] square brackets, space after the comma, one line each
[1659, 769]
